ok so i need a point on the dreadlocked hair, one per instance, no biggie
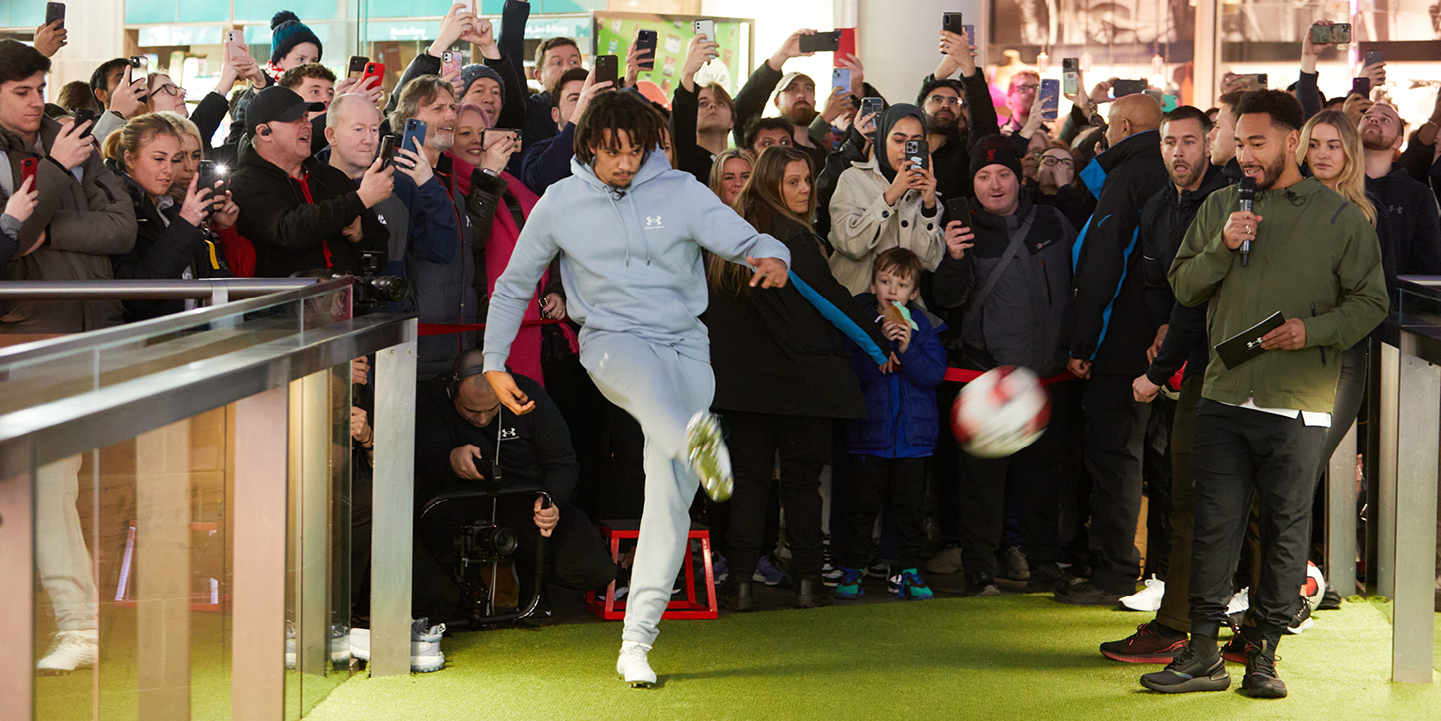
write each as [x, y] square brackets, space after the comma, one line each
[610, 114]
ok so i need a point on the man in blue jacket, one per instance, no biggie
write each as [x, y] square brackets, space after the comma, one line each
[629, 232]
[547, 162]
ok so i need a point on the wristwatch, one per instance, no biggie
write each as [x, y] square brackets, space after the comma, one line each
[490, 172]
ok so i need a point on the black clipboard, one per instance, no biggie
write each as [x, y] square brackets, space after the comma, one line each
[1246, 345]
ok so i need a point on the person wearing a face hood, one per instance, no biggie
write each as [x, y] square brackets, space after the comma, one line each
[885, 202]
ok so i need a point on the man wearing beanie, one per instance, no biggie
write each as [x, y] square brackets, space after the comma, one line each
[1111, 330]
[1003, 283]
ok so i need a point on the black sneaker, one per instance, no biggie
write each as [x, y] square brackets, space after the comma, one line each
[1189, 673]
[1261, 680]
[1302, 621]
[981, 584]
[1083, 593]
[1044, 578]
[1330, 600]
[1146, 645]
[1237, 649]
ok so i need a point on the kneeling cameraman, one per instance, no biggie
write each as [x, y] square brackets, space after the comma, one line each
[460, 426]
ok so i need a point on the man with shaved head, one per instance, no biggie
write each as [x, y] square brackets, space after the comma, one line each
[1110, 333]
[463, 436]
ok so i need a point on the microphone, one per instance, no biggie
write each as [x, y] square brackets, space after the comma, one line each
[1248, 199]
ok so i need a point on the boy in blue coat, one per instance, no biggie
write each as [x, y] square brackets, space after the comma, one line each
[889, 447]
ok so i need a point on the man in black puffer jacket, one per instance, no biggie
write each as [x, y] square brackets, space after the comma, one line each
[1110, 332]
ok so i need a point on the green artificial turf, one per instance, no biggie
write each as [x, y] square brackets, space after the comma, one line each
[1011, 657]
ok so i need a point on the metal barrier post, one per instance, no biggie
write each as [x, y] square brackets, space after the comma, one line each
[394, 496]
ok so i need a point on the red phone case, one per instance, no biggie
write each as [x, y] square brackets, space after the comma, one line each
[846, 47]
[375, 70]
[28, 168]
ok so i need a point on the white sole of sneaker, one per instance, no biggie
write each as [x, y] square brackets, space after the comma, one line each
[426, 664]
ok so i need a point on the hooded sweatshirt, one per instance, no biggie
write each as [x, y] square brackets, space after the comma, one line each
[1315, 257]
[630, 259]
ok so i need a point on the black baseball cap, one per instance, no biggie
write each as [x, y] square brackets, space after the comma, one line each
[277, 105]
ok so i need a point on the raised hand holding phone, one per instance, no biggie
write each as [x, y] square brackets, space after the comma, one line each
[22, 201]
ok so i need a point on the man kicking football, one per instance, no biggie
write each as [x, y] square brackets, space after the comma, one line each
[629, 231]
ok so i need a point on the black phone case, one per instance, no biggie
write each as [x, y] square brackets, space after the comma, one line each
[647, 40]
[53, 12]
[821, 42]
[607, 68]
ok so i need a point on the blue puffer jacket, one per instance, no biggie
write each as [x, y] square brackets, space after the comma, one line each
[902, 419]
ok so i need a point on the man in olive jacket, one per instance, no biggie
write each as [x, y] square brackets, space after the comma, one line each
[83, 211]
[1314, 258]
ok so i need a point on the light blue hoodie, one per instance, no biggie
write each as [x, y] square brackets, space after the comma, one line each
[630, 260]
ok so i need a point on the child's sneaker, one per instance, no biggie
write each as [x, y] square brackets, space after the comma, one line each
[912, 587]
[849, 586]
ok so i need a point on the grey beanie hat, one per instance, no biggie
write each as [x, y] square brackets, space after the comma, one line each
[475, 71]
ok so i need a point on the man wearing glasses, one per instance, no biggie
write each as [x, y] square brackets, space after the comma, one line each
[1019, 98]
[1056, 186]
[957, 113]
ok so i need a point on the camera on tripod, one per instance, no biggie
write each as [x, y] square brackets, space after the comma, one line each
[485, 542]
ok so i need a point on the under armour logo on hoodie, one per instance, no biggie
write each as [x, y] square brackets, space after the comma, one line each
[653, 221]
[508, 434]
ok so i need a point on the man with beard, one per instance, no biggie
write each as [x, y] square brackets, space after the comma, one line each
[300, 213]
[1181, 341]
[1407, 220]
[1314, 259]
[952, 125]
[795, 98]
[439, 259]
[1111, 331]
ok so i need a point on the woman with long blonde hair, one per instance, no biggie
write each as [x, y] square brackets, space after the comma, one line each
[729, 172]
[1331, 148]
[782, 375]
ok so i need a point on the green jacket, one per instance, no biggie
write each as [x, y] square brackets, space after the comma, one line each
[1315, 257]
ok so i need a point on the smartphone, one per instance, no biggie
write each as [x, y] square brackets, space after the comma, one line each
[821, 42]
[958, 209]
[953, 23]
[919, 152]
[646, 41]
[375, 70]
[872, 105]
[706, 28]
[513, 133]
[1169, 102]
[1070, 75]
[1373, 57]
[140, 70]
[970, 33]
[414, 137]
[1122, 88]
[1341, 33]
[28, 168]
[450, 62]
[1258, 80]
[357, 66]
[234, 41]
[387, 149]
[210, 173]
[1361, 86]
[841, 78]
[1050, 98]
[53, 12]
[846, 44]
[83, 115]
[607, 68]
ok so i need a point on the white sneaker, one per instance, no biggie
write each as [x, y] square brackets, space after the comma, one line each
[708, 457]
[339, 644]
[425, 655]
[633, 666]
[70, 650]
[1147, 599]
[1240, 603]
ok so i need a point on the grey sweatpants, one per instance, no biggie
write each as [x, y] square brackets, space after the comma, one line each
[662, 389]
[61, 557]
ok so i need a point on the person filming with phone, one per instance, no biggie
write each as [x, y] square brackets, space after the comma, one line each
[888, 201]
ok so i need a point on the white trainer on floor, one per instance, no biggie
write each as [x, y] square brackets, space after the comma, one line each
[1240, 603]
[425, 654]
[71, 650]
[634, 666]
[1147, 599]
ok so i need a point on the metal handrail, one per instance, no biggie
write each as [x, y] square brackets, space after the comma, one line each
[148, 289]
[169, 323]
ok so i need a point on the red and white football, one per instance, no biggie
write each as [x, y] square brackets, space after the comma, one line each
[1001, 412]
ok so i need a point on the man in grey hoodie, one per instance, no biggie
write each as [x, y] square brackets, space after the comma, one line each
[629, 232]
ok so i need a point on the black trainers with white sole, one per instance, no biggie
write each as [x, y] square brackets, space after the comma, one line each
[1189, 673]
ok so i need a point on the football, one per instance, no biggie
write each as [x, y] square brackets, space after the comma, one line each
[1001, 412]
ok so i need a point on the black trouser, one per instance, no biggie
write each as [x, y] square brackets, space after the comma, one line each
[575, 556]
[1115, 433]
[945, 470]
[1175, 609]
[804, 447]
[1238, 451]
[899, 483]
[1035, 475]
[1350, 391]
[1156, 470]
